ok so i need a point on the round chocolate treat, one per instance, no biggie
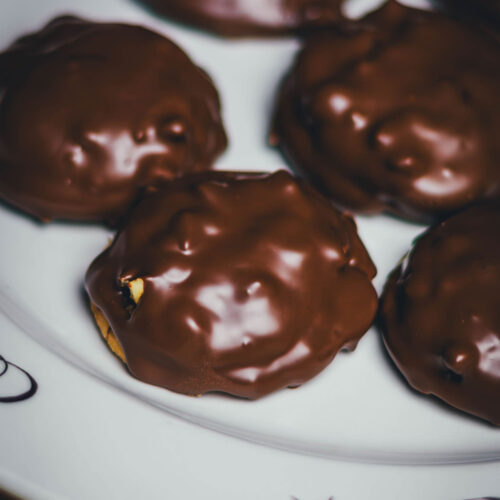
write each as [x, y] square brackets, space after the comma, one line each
[440, 314]
[240, 284]
[90, 113]
[398, 112]
[237, 18]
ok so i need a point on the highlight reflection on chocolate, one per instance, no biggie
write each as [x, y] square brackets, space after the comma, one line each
[236, 18]
[398, 112]
[440, 315]
[91, 113]
[233, 282]
[16, 398]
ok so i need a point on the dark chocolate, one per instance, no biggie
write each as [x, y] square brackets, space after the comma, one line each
[250, 284]
[398, 112]
[239, 18]
[440, 314]
[90, 113]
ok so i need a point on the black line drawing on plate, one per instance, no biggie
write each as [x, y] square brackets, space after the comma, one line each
[33, 386]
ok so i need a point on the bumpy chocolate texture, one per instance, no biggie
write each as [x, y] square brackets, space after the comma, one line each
[236, 18]
[399, 112]
[440, 313]
[239, 285]
[92, 112]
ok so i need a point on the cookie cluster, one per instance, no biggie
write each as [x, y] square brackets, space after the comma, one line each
[249, 283]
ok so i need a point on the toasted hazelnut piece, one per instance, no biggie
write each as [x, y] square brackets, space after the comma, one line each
[135, 287]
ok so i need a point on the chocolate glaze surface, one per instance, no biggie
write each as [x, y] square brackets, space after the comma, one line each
[440, 314]
[236, 18]
[398, 112]
[251, 284]
[90, 113]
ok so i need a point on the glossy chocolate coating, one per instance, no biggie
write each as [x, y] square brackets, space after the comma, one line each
[237, 18]
[90, 113]
[399, 112]
[251, 284]
[440, 314]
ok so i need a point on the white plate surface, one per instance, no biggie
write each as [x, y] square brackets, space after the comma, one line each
[80, 439]
[357, 409]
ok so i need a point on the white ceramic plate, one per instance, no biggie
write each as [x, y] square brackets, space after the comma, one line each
[357, 409]
[81, 439]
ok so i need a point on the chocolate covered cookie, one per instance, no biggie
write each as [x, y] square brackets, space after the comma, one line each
[440, 314]
[398, 112]
[237, 18]
[90, 113]
[234, 283]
